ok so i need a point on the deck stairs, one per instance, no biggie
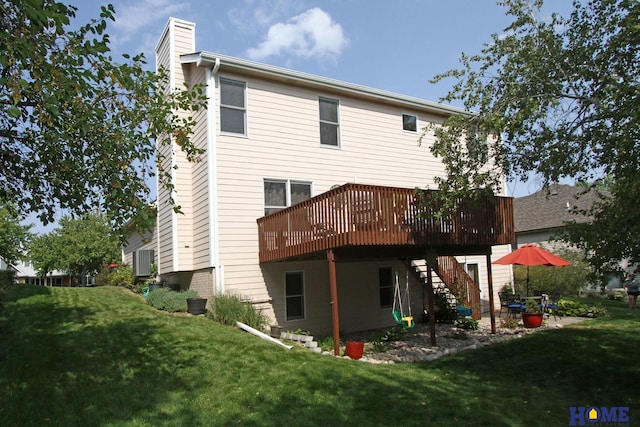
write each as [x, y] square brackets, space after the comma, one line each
[450, 279]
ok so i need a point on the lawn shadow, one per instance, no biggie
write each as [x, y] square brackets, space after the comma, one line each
[61, 366]
[528, 381]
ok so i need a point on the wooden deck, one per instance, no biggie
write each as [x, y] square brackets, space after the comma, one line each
[382, 218]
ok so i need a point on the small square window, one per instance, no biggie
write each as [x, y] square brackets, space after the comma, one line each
[409, 123]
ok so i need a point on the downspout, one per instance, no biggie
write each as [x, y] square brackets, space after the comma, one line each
[211, 70]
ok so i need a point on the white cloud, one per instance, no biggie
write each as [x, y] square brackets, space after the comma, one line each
[138, 25]
[310, 34]
[251, 16]
[132, 16]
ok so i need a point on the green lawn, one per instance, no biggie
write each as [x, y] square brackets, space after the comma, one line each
[102, 357]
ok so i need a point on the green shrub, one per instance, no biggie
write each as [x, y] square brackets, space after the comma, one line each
[168, 300]
[576, 309]
[123, 276]
[120, 276]
[510, 323]
[468, 323]
[568, 280]
[326, 343]
[7, 278]
[229, 309]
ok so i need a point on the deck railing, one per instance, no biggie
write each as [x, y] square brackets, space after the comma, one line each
[460, 283]
[364, 215]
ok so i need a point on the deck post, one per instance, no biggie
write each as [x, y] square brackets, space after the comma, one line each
[335, 315]
[492, 310]
[431, 303]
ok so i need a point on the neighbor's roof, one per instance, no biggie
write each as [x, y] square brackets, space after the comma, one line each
[549, 209]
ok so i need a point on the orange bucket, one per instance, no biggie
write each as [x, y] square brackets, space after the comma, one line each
[354, 349]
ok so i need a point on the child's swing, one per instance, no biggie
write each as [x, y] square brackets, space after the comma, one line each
[402, 320]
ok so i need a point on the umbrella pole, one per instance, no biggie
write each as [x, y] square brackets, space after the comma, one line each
[527, 280]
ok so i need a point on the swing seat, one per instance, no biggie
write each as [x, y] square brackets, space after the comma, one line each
[406, 322]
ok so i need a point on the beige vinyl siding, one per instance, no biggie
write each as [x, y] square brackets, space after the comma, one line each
[358, 295]
[184, 42]
[501, 274]
[136, 241]
[201, 194]
[178, 38]
[164, 224]
[283, 143]
[164, 216]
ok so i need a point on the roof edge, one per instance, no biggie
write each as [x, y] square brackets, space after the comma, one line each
[244, 64]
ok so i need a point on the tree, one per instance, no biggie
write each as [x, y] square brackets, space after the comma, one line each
[556, 97]
[14, 237]
[44, 253]
[78, 130]
[79, 247]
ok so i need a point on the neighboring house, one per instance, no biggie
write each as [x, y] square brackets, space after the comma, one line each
[27, 275]
[304, 203]
[540, 215]
[140, 252]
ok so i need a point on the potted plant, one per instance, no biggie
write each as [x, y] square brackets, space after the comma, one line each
[196, 305]
[532, 314]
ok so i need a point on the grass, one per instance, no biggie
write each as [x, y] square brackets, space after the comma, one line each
[101, 356]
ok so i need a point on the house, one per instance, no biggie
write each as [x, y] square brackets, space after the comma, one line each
[140, 252]
[304, 202]
[542, 214]
[25, 274]
[538, 217]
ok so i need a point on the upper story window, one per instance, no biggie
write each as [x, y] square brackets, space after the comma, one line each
[329, 122]
[278, 194]
[409, 122]
[233, 111]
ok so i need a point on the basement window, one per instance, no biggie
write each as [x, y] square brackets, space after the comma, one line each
[294, 295]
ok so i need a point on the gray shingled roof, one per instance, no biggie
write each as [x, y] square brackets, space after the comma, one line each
[550, 209]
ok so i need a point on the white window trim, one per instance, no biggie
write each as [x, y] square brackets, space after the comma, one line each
[287, 183]
[304, 296]
[417, 123]
[232, 107]
[339, 130]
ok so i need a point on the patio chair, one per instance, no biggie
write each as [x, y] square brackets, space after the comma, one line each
[514, 306]
[552, 306]
[504, 302]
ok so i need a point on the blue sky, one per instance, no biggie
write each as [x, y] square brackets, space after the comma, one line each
[391, 45]
[397, 46]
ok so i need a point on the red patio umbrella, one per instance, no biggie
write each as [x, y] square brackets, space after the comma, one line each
[531, 255]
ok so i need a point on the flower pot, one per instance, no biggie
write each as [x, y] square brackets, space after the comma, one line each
[532, 320]
[276, 331]
[354, 349]
[196, 305]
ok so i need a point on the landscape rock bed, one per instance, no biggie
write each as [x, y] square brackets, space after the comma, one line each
[416, 347]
